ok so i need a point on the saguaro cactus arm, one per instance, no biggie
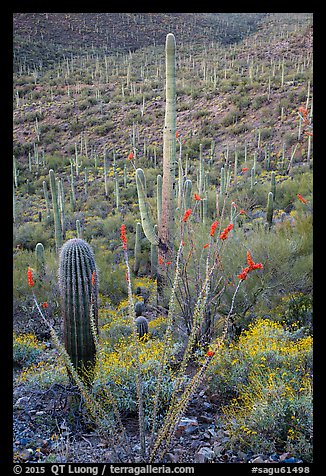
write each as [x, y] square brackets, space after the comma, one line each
[146, 218]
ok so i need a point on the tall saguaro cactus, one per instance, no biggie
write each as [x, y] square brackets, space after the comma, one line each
[56, 211]
[78, 284]
[169, 150]
[164, 237]
[165, 227]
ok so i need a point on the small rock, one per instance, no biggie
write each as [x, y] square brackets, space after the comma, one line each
[206, 418]
[207, 405]
[172, 458]
[292, 460]
[259, 459]
[285, 456]
[186, 425]
[218, 449]
[25, 454]
[241, 455]
[204, 455]
[21, 402]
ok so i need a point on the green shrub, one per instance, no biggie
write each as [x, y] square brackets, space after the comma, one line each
[265, 378]
[27, 349]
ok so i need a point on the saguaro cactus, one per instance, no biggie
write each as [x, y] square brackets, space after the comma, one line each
[188, 193]
[56, 211]
[270, 209]
[47, 201]
[146, 218]
[164, 239]
[40, 262]
[137, 248]
[273, 184]
[169, 152]
[78, 282]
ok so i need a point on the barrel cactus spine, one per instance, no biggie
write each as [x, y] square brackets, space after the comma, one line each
[78, 283]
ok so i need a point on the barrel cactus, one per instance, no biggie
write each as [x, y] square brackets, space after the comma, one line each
[78, 284]
[142, 326]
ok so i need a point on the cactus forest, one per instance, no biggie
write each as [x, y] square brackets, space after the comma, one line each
[162, 238]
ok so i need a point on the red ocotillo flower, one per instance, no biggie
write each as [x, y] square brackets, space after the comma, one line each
[251, 267]
[160, 260]
[213, 228]
[244, 169]
[225, 232]
[300, 197]
[186, 215]
[197, 197]
[210, 353]
[45, 305]
[131, 156]
[206, 246]
[304, 112]
[249, 259]
[30, 277]
[123, 237]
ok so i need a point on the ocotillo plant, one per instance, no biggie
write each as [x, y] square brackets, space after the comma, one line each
[56, 211]
[78, 283]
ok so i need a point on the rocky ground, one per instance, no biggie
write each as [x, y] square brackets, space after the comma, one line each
[197, 438]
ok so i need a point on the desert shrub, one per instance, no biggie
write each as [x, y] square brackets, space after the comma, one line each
[266, 376]
[258, 101]
[231, 117]
[44, 374]
[286, 256]
[29, 234]
[104, 129]
[295, 311]
[27, 349]
[119, 370]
